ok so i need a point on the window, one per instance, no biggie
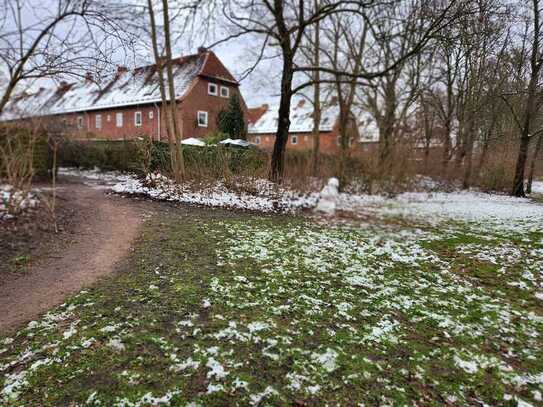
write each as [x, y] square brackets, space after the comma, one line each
[98, 121]
[119, 119]
[293, 139]
[212, 89]
[79, 122]
[151, 114]
[225, 92]
[108, 117]
[138, 119]
[257, 140]
[339, 140]
[202, 119]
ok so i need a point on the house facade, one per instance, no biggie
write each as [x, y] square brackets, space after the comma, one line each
[129, 104]
[263, 122]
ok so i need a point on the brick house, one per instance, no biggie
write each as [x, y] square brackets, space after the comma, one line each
[129, 105]
[263, 125]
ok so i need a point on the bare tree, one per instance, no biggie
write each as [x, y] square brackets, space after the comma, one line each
[62, 37]
[167, 87]
[285, 23]
[531, 98]
[535, 156]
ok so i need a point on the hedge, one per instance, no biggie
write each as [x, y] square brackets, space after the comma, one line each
[127, 156]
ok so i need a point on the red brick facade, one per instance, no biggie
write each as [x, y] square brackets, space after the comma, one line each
[153, 118]
[148, 118]
[329, 141]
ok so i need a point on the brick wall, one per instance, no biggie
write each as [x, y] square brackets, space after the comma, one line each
[106, 127]
[199, 99]
[328, 142]
[153, 118]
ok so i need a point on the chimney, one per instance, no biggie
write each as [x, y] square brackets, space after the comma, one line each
[301, 103]
[88, 77]
[202, 50]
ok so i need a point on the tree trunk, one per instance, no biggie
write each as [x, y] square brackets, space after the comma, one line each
[518, 181]
[281, 137]
[532, 164]
[530, 107]
[161, 82]
[468, 162]
[180, 169]
[344, 144]
[447, 146]
[482, 158]
[316, 104]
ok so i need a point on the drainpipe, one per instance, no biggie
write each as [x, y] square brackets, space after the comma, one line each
[158, 118]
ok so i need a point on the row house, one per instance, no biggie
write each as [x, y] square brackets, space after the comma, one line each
[129, 104]
[263, 121]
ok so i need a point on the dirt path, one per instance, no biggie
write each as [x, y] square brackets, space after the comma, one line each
[106, 227]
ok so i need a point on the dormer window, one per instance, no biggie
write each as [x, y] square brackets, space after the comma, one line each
[212, 89]
[225, 92]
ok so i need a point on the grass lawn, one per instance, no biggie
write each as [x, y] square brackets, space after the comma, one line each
[223, 308]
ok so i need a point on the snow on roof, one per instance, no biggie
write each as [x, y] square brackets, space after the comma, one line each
[236, 142]
[301, 117]
[191, 141]
[367, 127]
[264, 119]
[126, 88]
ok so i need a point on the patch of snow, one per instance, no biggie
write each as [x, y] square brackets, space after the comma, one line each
[328, 359]
[467, 365]
[216, 369]
[267, 197]
[13, 202]
[116, 344]
[537, 187]
[257, 326]
[257, 398]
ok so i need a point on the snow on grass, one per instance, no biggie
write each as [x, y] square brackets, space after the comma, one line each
[97, 175]
[507, 213]
[265, 196]
[492, 210]
[537, 187]
[339, 315]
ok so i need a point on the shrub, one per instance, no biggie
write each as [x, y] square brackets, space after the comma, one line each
[106, 155]
[231, 121]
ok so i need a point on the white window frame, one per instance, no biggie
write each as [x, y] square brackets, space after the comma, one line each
[136, 115]
[204, 114]
[227, 89]
[257, 140]
[293, 139]
[98, 121]
[215, 92]
[119, 119]
[80, 122]
[151, 115]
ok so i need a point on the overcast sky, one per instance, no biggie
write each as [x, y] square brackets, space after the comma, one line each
[237, 55]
